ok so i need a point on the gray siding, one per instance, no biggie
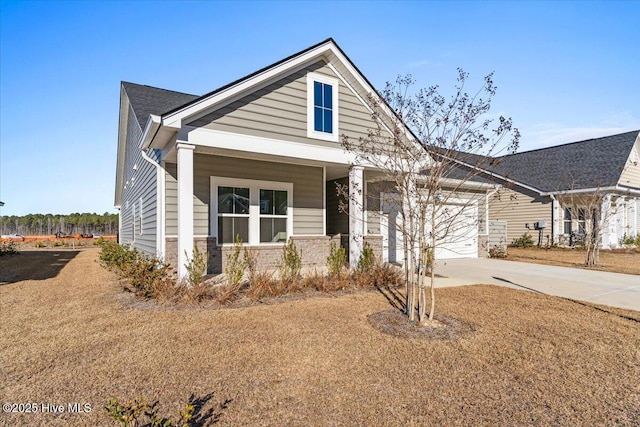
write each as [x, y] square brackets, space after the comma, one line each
[518, 208]
[280, 111]
[139, 183]
[307, 182]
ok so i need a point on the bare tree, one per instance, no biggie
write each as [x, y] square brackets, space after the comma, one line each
[589, 215]
[428, 147]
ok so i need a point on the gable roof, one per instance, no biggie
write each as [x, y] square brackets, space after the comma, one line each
[146, 100]
[591, 163]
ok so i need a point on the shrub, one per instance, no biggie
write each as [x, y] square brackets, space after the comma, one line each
[378, 276]
[114, 256]
[39, 244]
[290, 263]
[8, 248]
[367, 259]
[136, 411]
[524, 241]
[630, 240]
[251, 260]
[57, 243]
[142, 272]
[236, 265]
[196, 267]
[336, 260]
[497, 252]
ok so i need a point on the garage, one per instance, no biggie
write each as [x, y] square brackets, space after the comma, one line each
[458, 221]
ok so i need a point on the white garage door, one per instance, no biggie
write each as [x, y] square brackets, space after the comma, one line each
[462, 233]
[461, 240]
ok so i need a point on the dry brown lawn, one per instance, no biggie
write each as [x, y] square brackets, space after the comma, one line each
[617, 261]
[531, 359]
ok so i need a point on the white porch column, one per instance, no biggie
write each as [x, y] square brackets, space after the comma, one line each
[619, 221]
[555, 212]
[632, 217]
[607, 222]
[356, 214]
[185, 207]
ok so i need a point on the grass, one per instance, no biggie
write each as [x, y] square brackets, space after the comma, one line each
[617, 261]
[530, 359]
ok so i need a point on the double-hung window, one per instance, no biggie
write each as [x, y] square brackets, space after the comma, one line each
[567, 221]
[233, 214]
[273, 216]
[322, 107]
[258, 212]
[575, 220]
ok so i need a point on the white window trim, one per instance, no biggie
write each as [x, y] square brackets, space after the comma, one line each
[254, 206]
[575, 221]
[311, 133]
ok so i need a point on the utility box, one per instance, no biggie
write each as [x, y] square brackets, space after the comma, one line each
[540, 225]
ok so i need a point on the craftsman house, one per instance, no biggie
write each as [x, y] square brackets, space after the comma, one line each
[541, 190]
[257, 158]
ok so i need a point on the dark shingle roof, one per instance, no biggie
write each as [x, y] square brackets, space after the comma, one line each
[592, 163]
[147, 100]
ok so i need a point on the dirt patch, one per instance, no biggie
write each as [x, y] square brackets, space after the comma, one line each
[397, 324]
[531, 360]
[625, 261]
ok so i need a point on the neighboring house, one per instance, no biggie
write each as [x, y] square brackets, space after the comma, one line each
[259, 158]
[542, 186]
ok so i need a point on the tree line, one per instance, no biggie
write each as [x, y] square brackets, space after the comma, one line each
[44, 224]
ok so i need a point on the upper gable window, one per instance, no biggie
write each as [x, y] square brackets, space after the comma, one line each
[322, 107]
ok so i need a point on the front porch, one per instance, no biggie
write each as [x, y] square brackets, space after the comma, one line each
[210, 197]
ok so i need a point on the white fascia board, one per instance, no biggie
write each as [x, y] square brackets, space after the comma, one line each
[615, 188]
[150, 130]
[175, 119]
[259, 145]
[466, 184]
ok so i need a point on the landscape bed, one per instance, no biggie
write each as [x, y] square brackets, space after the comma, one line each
[527, 359]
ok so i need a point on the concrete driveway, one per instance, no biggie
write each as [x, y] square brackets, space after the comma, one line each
[613, 289]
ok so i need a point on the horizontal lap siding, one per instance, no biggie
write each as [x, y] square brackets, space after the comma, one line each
[307, 190]
[631, 174]
[279, 111]
[140, 182]
[518, 208]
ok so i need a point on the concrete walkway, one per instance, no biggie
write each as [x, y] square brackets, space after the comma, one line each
[613, 289]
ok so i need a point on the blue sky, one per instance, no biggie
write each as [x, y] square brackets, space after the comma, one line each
[565, 71]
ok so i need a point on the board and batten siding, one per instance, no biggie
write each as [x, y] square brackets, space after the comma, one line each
[518, 208]
[279, 111]
[308, 185]
[140, 180]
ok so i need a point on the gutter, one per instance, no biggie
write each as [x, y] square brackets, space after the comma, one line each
[150, 131]
[593, 190]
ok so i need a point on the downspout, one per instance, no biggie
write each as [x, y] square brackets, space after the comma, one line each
[160, 241]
